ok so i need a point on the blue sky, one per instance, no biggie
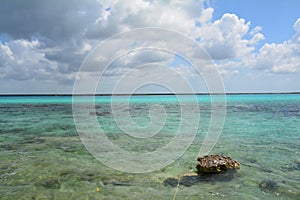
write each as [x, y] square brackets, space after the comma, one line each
[275, 17]
[255, 45]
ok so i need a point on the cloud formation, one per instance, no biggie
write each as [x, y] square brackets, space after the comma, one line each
[53, 20]
[278, 58]
[225, 38]
[48, 40]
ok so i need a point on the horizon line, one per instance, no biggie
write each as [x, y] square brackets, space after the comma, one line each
[142, 94]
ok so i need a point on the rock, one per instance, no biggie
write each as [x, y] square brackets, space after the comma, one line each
[194, 178]
[185, 180]
[216, 164]
[209, 170]
[36, 140]
[268, 186]
[104, 113]
[173, 182]
[251, 162]
[116, 183]
[89, 176]
[7, 169]
[291, 167]
[51, 183]
[10, 147]
[297, 165]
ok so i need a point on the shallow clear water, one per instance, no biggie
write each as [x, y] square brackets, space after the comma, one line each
[42, 156]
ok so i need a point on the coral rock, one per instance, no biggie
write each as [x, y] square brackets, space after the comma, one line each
[216, 164]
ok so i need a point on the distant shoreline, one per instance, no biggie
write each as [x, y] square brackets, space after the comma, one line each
[153, 94]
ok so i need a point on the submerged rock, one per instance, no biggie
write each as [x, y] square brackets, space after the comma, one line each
[194, 178]
[117, 183]
[36, 140]
[104, 113]
[51, 183]
[186, 180]
[268, 185]
[297, 165]
[10, 147]
[274, 187]
[216, 164]
[291, 167]
[255, 163]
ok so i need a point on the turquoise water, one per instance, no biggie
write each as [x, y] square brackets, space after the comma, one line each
[42, 156]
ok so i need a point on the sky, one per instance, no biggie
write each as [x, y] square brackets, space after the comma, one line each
[254, 45]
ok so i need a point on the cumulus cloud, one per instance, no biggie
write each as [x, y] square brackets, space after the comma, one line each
[137, 58]
[57, 26]
[125, 15]
[277, 58]
[5, 55]
[67, 30]
[226, 38]
[48, 40]
[22, 60]
[270, 58]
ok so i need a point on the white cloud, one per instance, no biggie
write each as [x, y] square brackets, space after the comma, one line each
[297, 25]
[256, 38]
[52, 41]
[296, 37]
[226, 38]
[22, 60]
[270, 58]
[206, 16]
[223, 38]
[126, 15]
[255, 30]
[5, 55]
[277, 58]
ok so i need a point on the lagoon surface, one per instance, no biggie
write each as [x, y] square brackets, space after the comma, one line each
[42, 156]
